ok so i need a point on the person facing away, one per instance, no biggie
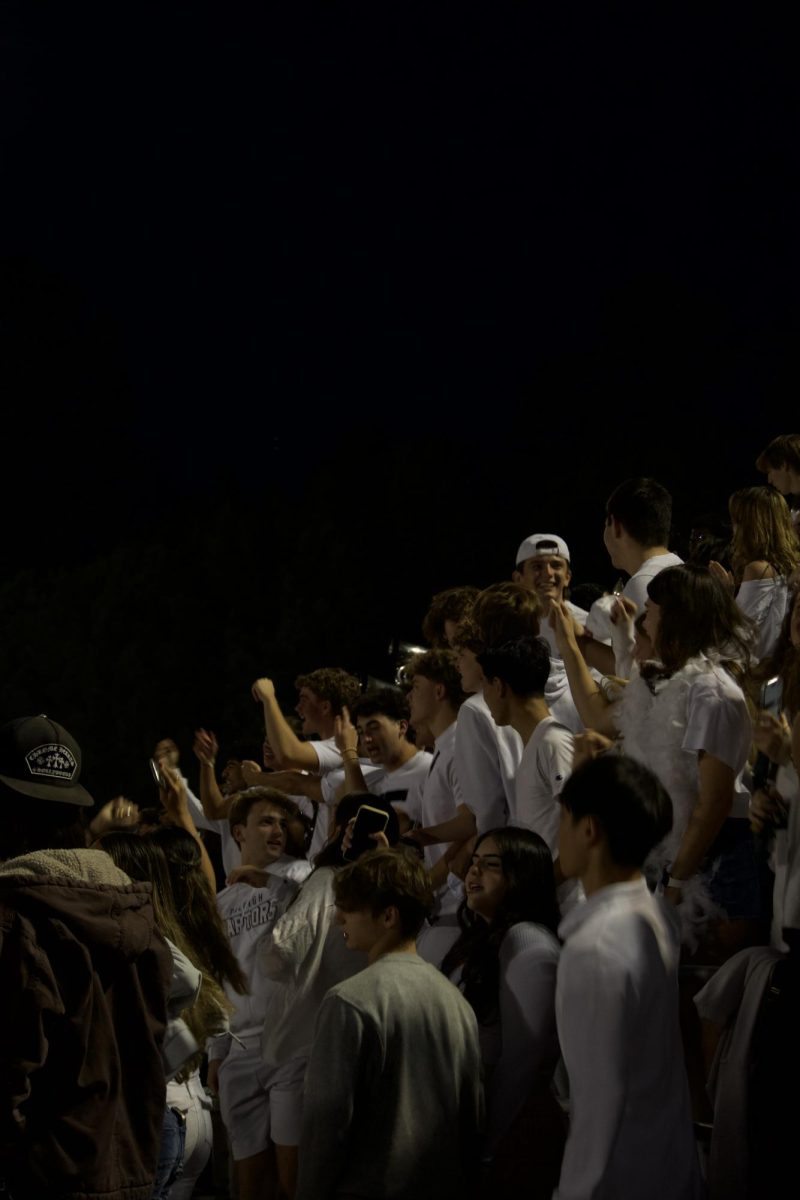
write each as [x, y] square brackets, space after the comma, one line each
[636, 533]
[85, 980]
[631, 1132]
[516, 676]
[393, 1100]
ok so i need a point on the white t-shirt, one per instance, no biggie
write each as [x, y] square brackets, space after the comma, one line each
[486, 760]
[331, 781]
[664, 724]
[764, 601]
[636, 587]
[248, 914]
[545, 767]
[441, 795]
[410, 778]
[328, 757]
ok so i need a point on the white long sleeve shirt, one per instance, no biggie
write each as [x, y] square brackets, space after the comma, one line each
[631, 1135]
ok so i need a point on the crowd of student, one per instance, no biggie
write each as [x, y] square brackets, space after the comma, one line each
[465, 916]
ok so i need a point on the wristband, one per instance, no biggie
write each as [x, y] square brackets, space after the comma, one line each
[350, 750]
[675, 883]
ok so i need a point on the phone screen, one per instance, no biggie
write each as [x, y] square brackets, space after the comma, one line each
[368, 820]
[155, 771]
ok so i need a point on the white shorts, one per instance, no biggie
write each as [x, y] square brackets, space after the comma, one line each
[258, 1103]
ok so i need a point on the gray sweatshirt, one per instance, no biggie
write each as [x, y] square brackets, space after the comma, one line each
[393, 1102]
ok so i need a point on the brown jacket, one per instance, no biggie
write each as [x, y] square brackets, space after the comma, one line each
[83, 984]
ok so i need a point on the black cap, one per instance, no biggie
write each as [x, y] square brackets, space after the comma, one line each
[39, 758]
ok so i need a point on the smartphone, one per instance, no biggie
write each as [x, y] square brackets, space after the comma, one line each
[368, 820]
[155, 771]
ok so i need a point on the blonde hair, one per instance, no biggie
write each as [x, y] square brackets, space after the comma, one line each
[763, 531]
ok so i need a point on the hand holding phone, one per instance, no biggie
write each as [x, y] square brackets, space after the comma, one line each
[359, 837]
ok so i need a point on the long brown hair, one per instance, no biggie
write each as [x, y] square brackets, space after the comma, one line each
[196, 908]
[763, 531]
[140, 858]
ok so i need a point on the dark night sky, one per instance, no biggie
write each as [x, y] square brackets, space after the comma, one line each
[400, 285]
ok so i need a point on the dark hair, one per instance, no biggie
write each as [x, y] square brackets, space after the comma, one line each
[585, 594]
[628, 801]
[333, 684]
[530, 896]
[782, 451]
[31, 824]
[331, 853]
[196, 907]
[439, 666]
[450, 605]
[243, 801]
[386, 878]
[524, 665]
[644, 509]
[698, 614]
[386, 702]
[709, 539]
[151, 815]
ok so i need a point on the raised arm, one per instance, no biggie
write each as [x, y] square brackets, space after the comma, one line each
[293, 783]
[591, 703]
[289, 751]
[346, 737]
[173, 797]
[206, 748]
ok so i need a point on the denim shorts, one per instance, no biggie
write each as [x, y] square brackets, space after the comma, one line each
[730, 871]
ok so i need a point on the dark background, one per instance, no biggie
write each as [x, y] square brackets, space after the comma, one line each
[306, 314]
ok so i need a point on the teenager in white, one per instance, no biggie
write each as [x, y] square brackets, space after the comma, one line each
[631, 1132]
[321, 697]
[687, 719]
[543, 566]
[516, 676]
[251, 1094]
